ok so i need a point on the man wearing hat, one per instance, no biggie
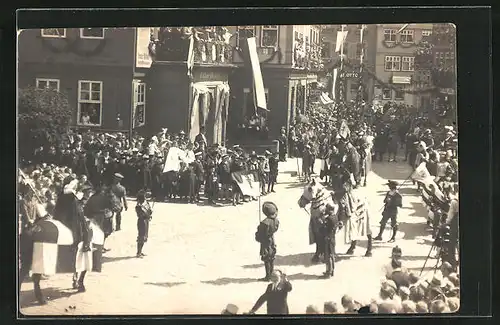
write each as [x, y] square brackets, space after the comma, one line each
[273, 172]
[121, 194]
[329, 230]
[393, 200]
[201, 140]
[265, 236]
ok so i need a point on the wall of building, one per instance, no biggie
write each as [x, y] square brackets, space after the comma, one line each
[167, 103]
[397, 49]
[116, 88]
[116, 49]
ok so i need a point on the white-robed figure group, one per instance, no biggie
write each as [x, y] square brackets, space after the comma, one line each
[70, 241]
[352, 213]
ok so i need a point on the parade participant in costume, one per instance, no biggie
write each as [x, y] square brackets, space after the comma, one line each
[265, 236]
[120, 192]
[211, 179]
[273, 172]
[201, 140]
[352, 163]
[144, 214]
[393, 200]
[276, 295]
[329, 230]
[199, 172]
[225, 175]
[237, 165]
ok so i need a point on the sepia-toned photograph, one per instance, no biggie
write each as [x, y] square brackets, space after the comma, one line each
[238, 170]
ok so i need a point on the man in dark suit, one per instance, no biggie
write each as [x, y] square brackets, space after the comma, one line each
[201, 140]
[265, 236]
[276, 295]
[329, 230]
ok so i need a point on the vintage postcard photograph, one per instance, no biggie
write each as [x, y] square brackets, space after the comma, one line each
[267, 169]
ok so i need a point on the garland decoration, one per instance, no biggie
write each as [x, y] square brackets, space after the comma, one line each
[405, 45]
[73, 46]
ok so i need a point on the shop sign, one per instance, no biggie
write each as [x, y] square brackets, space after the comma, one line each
[142, 57]
[350, 75]
[210, 76]
[401, 80]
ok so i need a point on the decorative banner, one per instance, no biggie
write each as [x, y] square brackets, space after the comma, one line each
[258, 83]
[173, 161]
[247, 182]
[142, 57]
[341, 37]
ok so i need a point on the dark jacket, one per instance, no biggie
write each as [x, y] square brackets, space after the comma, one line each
[392, 203]
[276, 299]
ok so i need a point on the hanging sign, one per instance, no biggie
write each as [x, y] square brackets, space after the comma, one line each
[142, 57]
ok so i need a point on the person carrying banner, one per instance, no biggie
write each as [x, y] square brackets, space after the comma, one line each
[393, 200]
[265, 236]
[144, 214]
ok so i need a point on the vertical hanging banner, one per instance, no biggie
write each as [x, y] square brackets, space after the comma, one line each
[258, 83]
[142, 57]
[190, 58]
[341, 37]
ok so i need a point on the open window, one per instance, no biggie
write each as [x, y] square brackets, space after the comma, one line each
[269, 36]
[139, 105]
[89, 103]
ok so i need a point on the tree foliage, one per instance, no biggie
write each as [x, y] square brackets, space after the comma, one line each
[43, 116]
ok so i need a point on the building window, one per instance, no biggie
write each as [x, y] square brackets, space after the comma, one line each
[386, 93]
[97, 33]
[42, 83]
[54, 32]
[426, 32]
[392, 63]
[244, 32]
[408, 63]
[407, 36]
[269, 37]
[89, 102]
[139, 104]
[390, 35]
[399, 95]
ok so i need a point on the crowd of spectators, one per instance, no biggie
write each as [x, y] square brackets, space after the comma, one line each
[401, 292]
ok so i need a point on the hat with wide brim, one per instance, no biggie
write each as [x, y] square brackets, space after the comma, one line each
[269, 209]
[118, 176]
[268, 153]
[392, 183]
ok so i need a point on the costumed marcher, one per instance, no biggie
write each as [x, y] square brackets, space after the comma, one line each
[393, 200]
[273, 172]
[276, 295]
[144, 214]
[330, 227]
[120, 192]
[265, 236]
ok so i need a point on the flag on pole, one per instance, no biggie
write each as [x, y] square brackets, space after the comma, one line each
[325, 99]
[190, 58]
[258, 83]
[334, 82]
[341, 37]
[248, 182]
[402, 28]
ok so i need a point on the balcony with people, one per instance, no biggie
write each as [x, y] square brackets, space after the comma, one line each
[210, 45]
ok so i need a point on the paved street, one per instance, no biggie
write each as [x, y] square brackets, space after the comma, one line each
[199, 258]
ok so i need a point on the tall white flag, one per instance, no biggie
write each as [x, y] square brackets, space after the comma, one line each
[341, 37]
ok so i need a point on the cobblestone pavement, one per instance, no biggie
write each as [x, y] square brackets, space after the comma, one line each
[200, 258]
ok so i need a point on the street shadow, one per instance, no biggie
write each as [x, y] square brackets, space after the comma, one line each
[393, 171]
[413, 258]
[218, 205]
[107, 259]
[298, 184]
[226, 281]
[165, 284]
[403, 191]
[28, 299]
[303, 259]
[304, 277]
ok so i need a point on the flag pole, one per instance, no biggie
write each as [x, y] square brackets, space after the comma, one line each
[260, 211]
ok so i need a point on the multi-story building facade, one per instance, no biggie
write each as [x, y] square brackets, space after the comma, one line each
[395, 61]
[119, 79]
[99, 70]
[352, 51]
[290, 57]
